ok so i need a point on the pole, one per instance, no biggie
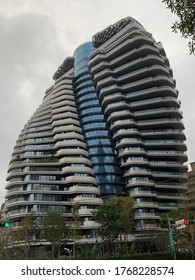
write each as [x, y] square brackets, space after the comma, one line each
[171, 239]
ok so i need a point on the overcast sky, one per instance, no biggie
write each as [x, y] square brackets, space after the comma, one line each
[37, 35]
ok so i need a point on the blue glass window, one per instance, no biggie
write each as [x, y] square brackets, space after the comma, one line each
[98, 141]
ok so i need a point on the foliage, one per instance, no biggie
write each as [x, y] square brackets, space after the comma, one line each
[75, 229]
[2, 250]
[186, 213]
[115, 219]
[185, 237]
[24, 234]
[107, 216]
[172, 215]
[185, 10]
[55, 231]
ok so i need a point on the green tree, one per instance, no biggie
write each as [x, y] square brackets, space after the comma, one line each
[185, 237]
[75, 228]
[28, 230]
[2, 248]
[126, 223]
[55, 231]
[22, 237]
[185, 10]
[125, 205]
[115, 219]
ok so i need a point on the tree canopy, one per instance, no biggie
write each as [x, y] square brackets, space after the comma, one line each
[185, 237]
[185, 10]
[55, 231]
[115, 219]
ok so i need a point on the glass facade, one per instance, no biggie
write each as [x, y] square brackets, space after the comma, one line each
[96, 131]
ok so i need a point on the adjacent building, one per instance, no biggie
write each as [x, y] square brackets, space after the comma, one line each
[109, 125]
[191, 184]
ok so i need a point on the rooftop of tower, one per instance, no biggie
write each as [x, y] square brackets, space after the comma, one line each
[102, 36]
[66, 65]
[98, 39]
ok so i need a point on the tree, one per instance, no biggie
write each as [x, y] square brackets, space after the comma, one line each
[115, 219]
[2, 248]
[126, 223]
[55, 231]
[28, 229]
[22, 237]
[185, 10]
[185, 237]
[75, 228]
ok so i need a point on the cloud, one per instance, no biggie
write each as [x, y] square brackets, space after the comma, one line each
[28, 52]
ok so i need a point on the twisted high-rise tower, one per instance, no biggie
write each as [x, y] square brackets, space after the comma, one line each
[110, 125]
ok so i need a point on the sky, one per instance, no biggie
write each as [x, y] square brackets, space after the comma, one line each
[37, 35]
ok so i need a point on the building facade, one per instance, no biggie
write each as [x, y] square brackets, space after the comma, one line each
[109, 125]
[191, 185]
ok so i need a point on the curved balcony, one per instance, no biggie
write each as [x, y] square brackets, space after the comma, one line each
[67, 128]
[146, 183]
[115, 106]
[122, 124]
[176, 133]
[72, 151]
[157, 91]
[62, 109]
[160, 101]
[171, 196]
[75, 160]
[114, 116]
[165, 144]
[67, 121]
[77, 169]
[90, 225]
[62, 97]
[70, 143]
[171, 186]
[142, 193]
[125, 133]
[138, 57]
[160, 123]
[124, 142]
[79, 179]
[176, 165]
[180, 156]
[68, 135]
[108, 99]
[146, 204]
[85, 200]
[82, 189]
[143, 172]
[66, 102]
[147, 216]
[134, 161]
[133, 53]
[61, 88]
[170, 112]
[132, 152]
[85, 212]
[64, 115]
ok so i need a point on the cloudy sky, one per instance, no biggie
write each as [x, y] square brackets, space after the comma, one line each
[37, 35]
